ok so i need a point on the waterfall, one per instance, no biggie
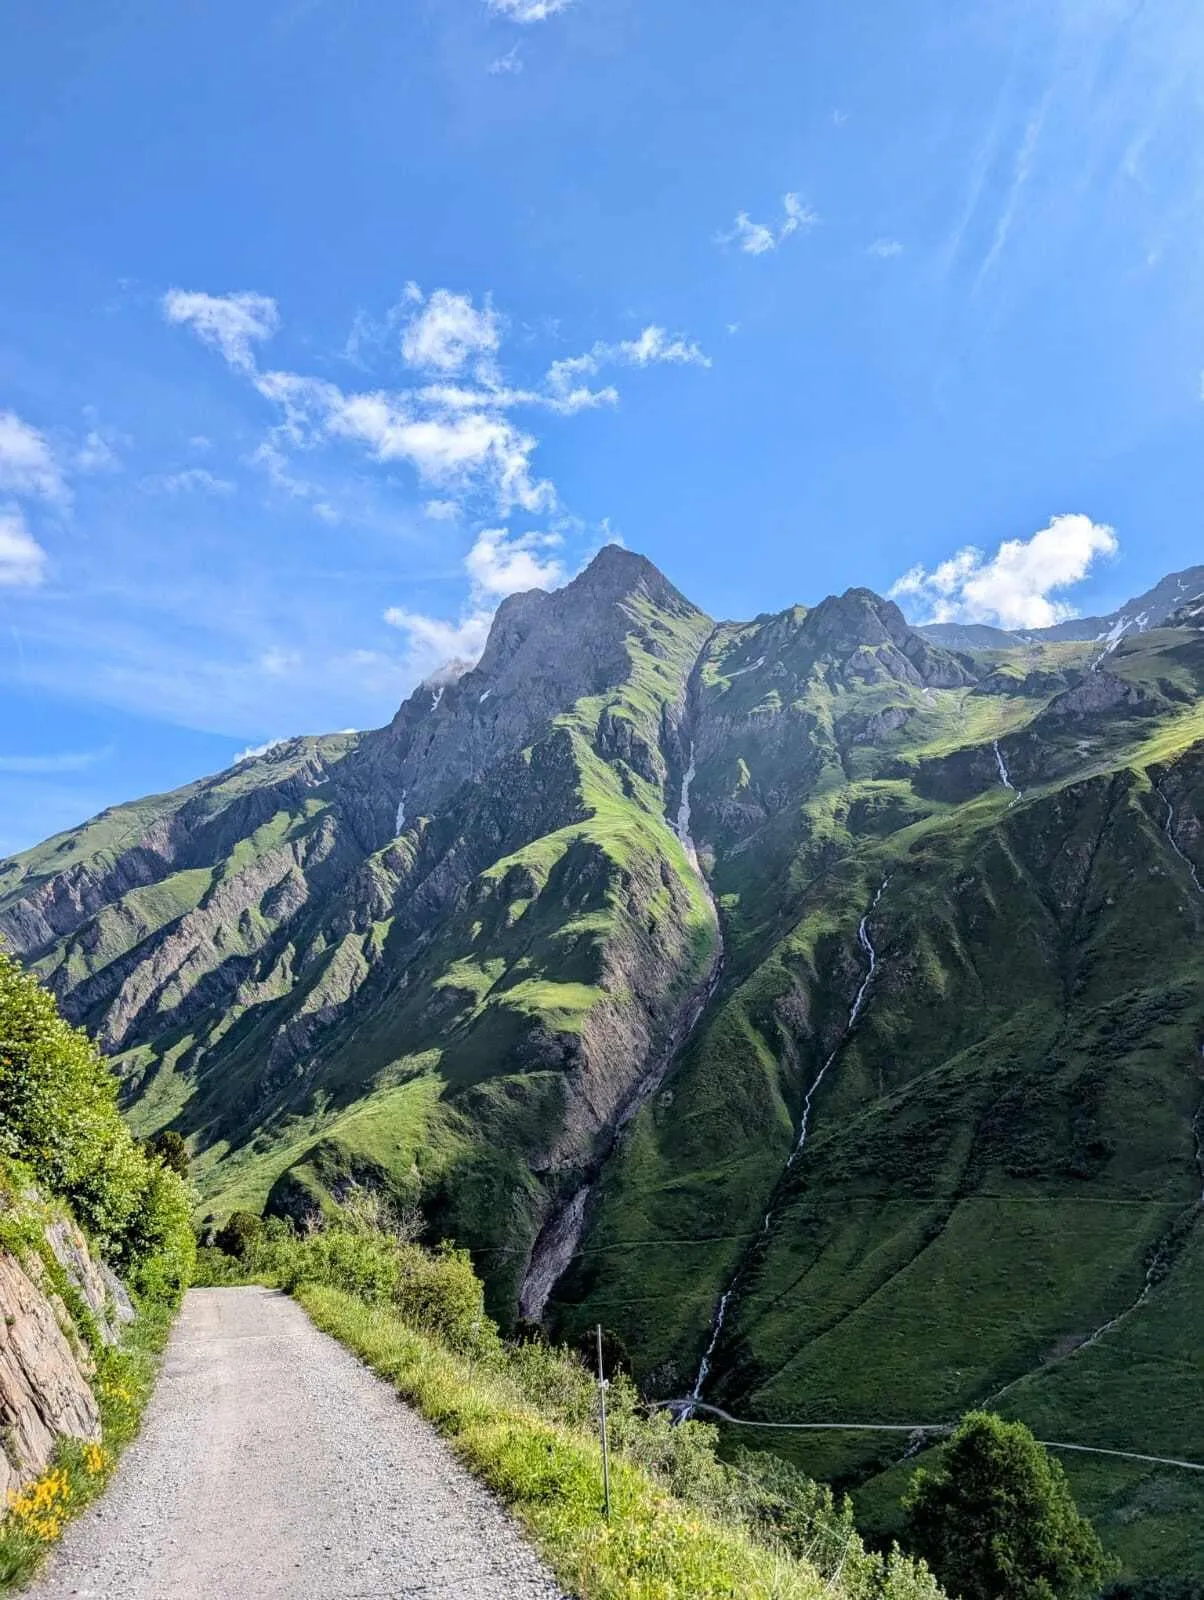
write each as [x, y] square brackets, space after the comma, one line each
[1005, 776]
[867, 945]
[1168, 828]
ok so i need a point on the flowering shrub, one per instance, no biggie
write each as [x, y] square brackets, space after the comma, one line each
[59, 1118]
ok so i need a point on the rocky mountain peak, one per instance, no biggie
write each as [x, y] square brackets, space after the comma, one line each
[546, 650]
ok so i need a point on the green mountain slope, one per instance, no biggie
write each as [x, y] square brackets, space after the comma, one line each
[804, 994]
[1004, 1154]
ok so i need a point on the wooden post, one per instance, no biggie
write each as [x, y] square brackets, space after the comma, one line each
[605, 1440]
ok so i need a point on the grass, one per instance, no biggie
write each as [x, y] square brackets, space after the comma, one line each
[653, 1548]
[79, 1473]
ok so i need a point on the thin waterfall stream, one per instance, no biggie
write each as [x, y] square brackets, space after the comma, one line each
[1168, 827]
[1005, 776]
[858, 1006]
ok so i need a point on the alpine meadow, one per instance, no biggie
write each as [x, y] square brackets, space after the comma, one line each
[815, 1002]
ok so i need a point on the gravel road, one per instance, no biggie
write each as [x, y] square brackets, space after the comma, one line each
[273, 1464]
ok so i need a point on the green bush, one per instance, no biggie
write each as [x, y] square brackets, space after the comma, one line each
[997, 1520]
[240, 1234]
[59, 1118]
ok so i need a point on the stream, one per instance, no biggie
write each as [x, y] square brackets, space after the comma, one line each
[1005, 776]
[867, 945]
[1168, 827]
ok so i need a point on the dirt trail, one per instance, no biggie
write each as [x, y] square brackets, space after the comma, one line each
[273, 1464]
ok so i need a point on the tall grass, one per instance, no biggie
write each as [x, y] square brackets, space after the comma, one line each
[523, 1418]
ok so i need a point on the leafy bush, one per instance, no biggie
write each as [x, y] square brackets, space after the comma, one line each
[59, 1118]
[997, 1519]
[240, 1234]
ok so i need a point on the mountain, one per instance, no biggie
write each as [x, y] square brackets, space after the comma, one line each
[802, 993]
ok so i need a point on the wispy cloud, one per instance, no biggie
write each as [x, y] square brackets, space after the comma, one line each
[231, 323]
[885, 249]
[653, 347]
[511, 63]
[27, 463]
[527, 10]
[498, 564]
[192, 480]
[96, 454]
[1012, 588]
[1021, 172]
[455, 429]
[447, 331]
[758, 238]
[67, 761]
[22, 559]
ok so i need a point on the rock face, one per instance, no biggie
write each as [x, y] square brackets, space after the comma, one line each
[102, 1290]
[44, 1393]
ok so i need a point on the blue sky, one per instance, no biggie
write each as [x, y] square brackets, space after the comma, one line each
[323, 325]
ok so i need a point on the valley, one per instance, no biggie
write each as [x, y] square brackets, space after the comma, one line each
[816, 1002]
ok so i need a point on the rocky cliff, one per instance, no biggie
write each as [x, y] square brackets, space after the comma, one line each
[49, 1280]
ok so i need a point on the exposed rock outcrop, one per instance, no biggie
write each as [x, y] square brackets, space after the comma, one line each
[44, 1392]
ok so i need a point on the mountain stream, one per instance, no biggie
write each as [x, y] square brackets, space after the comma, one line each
[858, 1006]
[1005, 776]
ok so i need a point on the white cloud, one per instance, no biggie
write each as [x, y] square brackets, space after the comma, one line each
[22, 559]
[498, 564]
[441, 510]
[192, 480]
[455, 430]
[510, 63]
[27, 464]
[96, 454]
[527, 10]
[255, 750]
[232, 323]
[653, 347]
[885, 249]
[1012, 588]
[434, 642]
[758, 238]
[797, 216]
[279, 663]
[754, 238]
[448, 330]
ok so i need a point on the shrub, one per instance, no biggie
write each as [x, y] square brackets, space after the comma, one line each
[997, 1520]
[240, 1234]
[172, 1150]
[59, 1117]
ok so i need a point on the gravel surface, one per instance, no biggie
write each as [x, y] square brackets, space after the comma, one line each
[272, 1463]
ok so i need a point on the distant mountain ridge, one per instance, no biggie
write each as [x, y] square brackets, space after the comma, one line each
[1148, 610]
[566, 955]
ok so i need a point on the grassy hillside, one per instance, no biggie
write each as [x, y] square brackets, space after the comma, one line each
[1004, 1154]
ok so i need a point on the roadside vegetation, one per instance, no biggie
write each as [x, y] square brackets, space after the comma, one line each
[66, 1154]
[523, 1416]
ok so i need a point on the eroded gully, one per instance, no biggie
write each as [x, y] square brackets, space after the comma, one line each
[560, 1237]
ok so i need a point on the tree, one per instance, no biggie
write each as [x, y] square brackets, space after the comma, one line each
[996, 1520]
[240, 1235]
[171, 1149]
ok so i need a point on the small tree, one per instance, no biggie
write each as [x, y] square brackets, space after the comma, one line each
[171, 1149]
[997, 1521]
[240, 1235]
